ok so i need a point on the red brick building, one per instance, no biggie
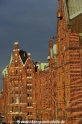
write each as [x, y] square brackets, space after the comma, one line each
[52, 90]
[1, 106]
[69, 65]
[27, 86]
[46, 86]
[19, 85]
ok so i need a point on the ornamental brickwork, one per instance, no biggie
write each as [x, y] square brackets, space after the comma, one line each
[28, 88]
[1, 105]
[52, 90]
[19, 85]
[69, 66]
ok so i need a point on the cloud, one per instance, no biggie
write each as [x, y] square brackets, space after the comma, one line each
[31, 23]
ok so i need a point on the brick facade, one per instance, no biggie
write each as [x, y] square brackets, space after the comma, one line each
[47, 91]
[18, 87]
[1, 106]
[28, 91]
[68, 68]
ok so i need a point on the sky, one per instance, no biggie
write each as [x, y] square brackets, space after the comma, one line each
[29, 22]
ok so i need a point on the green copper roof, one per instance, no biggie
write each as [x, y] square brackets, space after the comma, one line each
[5, 71]
[54, 49]
[16, 43]
[42, 65]
[48, 57]
[11, 59]
[74, 8]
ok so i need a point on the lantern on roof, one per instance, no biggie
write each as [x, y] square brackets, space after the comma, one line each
[59, 14]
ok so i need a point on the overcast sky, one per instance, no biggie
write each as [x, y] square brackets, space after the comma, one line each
[29, 22]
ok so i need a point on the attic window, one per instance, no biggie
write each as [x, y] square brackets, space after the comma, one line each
[27, 67]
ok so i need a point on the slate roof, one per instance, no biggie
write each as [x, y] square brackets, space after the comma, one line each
[23, 55]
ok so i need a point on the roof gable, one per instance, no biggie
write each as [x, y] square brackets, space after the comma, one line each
[74, 8]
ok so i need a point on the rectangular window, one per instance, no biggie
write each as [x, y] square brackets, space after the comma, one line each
[29, 113]
[16, 85]
[29, 83]
[20, 108]
[16, 92]
[16, 108]
[29, 87]
[12, 100]
[17, 100]
[29, 104]
[29, 74]
[12, 109]
[12, 118]
[29, 95]
[20, 100]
